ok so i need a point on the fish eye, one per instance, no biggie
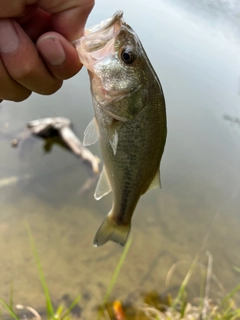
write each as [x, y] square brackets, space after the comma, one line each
[127, 57]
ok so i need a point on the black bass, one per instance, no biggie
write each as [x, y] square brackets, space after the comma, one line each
[130, 120]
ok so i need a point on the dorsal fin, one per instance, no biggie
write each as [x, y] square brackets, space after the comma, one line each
[156, 183]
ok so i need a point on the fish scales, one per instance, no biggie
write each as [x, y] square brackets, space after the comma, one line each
[130, 120]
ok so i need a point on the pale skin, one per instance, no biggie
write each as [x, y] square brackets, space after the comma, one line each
[36, 53]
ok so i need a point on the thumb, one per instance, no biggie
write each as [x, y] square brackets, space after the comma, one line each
[68, 17]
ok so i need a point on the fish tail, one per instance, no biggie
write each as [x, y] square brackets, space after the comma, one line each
[111, 230]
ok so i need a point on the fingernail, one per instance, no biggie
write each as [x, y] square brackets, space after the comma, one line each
[9, 40]
[52, 50]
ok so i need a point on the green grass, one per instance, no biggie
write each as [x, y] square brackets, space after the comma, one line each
[9, 309]
[117, 270]
[61, 313]
[115, 276]
[236, 268]
[49, 306]
[154, 308]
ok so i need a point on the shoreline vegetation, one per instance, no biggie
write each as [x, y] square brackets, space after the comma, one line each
[153, 307]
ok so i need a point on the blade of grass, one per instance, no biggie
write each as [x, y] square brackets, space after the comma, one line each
[230, 295]
[182, 288]
[114, 277]
[9, 309]
[208, 284]
[72, 305]
[229, 308]
[236, 268]
[11, 296]
[49, 306]
[235, 314]
[202, 290]
[57, 314]
[117, 270]
[183, 309]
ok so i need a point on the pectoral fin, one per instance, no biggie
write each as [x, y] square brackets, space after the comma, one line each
[103, 186]
[91, 133]
[116, 114]
[122, 111]
[113, 139]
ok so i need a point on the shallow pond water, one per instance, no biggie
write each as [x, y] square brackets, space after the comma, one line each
[196, 54]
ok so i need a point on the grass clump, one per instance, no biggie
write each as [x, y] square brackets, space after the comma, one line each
[61, 313]
[156, 307]
[153, 307]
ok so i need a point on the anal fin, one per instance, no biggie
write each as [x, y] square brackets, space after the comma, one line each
[103, 186]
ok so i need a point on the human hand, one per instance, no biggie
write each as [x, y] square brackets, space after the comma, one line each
[36, 53]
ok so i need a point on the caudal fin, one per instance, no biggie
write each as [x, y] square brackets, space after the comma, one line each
[111, 230]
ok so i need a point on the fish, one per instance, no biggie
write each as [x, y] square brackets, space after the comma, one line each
[130, 120]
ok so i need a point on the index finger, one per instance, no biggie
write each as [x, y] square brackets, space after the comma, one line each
[68, 17]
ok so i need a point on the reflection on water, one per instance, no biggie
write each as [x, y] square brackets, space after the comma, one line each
[199, 69]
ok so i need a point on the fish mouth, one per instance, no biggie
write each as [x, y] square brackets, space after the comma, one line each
[105, 24]
[97, 36]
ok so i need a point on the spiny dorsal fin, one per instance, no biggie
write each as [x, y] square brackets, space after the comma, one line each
[103, 186]
[91, 133]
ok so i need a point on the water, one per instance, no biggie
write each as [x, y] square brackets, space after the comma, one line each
[196, 53]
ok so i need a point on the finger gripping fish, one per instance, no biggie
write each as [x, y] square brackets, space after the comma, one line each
[130, 120]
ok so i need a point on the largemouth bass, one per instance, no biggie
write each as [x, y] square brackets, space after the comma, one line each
[130, 120]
